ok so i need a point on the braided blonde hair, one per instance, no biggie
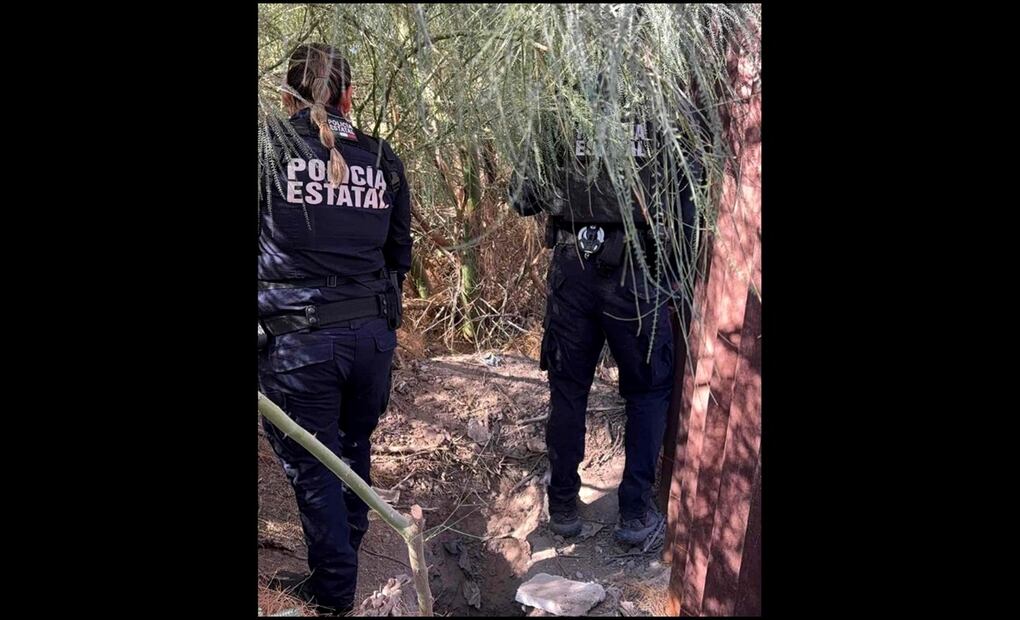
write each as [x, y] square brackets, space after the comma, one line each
[318, 75]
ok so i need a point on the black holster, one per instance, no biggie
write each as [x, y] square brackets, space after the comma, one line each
[612, 252]
[394, 302]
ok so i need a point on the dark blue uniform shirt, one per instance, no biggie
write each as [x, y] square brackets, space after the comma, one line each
[308, 229]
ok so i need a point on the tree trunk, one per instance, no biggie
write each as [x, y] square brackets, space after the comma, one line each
[469, 276]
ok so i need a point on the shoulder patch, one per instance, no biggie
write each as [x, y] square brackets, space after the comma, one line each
[342, 128]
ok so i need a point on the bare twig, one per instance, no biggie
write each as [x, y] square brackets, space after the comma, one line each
[386, 557]
[508, 399]
[402, 452]
[403, 481]
[531, 474]
[439, 529]
[533, 420]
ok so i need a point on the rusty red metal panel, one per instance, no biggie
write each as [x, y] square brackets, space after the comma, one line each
[674, 549]
[685, 340]
[740, 465]
[715, 486]
[694, 406]
[732, 240]
[749, 585]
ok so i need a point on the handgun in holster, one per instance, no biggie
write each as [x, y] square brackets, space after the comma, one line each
[395, 310]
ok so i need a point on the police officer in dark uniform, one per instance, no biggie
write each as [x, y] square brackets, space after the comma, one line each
[334, 246]
[598, 292]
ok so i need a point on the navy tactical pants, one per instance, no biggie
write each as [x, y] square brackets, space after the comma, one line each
[334, 382]
[585, 309]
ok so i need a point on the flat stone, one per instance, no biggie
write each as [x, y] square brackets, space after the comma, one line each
[559, 596]
[478, 431]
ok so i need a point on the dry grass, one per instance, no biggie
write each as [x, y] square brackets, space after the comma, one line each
[509, 303]
[649, 595]
[273, 602]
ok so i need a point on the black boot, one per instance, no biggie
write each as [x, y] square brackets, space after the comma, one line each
[635, 531]
[566, 523]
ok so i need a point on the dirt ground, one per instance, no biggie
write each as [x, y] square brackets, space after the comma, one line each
[458, 439]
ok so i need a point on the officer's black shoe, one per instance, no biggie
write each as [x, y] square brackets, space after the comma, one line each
[635, 531]
[565, 523]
